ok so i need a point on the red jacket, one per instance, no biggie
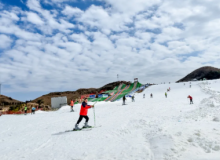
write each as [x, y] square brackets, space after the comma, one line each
[71, 103]
[84, 109]
[190, 97]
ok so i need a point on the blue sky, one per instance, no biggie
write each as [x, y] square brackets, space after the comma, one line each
[61, 45]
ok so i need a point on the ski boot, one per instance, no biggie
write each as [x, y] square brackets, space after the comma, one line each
[76, 128]
[86, 125]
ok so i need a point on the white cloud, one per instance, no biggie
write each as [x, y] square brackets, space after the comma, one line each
[34, 18]
[72, 11]
[34, 5]
[5, 41]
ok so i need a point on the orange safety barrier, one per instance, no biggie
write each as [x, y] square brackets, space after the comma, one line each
[16, 112]
[85, 96]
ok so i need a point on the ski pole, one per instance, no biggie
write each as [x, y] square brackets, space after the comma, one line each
[94, 112]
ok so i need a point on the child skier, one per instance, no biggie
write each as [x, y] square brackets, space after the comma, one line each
[71, 104]
[191, 99]
[166, 94]
[83, 114]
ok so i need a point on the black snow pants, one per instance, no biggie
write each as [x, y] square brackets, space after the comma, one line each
[81, 117]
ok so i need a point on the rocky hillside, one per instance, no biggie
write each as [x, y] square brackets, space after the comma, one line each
[204, 72]
[7, 101]
[46, 99]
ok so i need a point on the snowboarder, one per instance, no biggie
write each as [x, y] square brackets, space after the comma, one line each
[83, 114]
[33, 110]
[133, 98]
[25, 109]
[166, 94]
[144, 96]
[71, 104]
[191, 99]
[123, 100]
[151, 95]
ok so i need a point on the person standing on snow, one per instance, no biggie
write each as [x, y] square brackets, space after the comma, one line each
[83, 114]
[191, 99]
[123, 100]
[166, 94]
[33, 110]
[25, 110]
[71, 104]
[132, 98]
[151, 95]
[144, 96]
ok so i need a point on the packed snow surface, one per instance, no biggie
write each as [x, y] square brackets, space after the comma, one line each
[155, 128]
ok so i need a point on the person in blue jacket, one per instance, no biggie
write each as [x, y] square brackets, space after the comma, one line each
[33, 110]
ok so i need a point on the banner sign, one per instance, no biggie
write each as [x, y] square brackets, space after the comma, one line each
[92, 96]
[105, 95]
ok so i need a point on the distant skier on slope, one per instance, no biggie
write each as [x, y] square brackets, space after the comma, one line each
[144, 96]
[33, 110]
[123, 100]
[71, 104]
[191, 99]
[133, 98]
[25, 110]
[166, 94]
[151, 95]
[83, 114]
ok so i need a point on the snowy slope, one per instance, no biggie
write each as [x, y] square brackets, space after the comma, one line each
[155, 128]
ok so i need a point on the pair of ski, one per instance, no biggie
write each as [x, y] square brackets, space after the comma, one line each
[83, 129]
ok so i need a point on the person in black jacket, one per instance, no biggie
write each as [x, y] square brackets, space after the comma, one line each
[124, 100]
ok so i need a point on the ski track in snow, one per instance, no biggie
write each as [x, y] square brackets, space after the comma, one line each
[155, 128]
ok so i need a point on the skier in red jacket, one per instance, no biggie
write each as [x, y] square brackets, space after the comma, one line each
[191, 99]
[83, 114]
[71, 104]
